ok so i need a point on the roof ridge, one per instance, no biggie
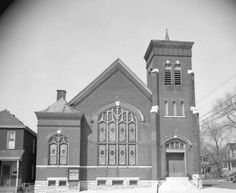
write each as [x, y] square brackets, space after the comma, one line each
[18, 121]
[136, 77]
[115, 64]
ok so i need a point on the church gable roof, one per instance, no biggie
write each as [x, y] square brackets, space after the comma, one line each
[116, 65]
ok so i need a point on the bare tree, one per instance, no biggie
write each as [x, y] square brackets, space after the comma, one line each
[219, 128]
[213, 139]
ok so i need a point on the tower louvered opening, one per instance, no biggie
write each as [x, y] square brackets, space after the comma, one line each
[178, 75]
[168, 74]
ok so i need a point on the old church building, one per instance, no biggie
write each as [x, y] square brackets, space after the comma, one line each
[119, 131]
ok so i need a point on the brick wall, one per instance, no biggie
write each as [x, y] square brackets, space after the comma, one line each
[116, 87]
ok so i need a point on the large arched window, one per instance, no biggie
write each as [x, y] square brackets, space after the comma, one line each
[117, 137]
[58, 150]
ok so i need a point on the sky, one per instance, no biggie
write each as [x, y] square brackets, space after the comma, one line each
[47, 45]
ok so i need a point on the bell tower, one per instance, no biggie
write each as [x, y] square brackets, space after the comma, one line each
[177, 117]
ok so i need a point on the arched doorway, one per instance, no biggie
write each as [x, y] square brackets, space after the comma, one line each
[175, 157]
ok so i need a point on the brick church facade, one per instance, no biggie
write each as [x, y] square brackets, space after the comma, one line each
[119, 131]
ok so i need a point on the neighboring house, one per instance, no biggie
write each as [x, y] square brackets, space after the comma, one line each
[17, 152]
[119, 131]
[229, 164]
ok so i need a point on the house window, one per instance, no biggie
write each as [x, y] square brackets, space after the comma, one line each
[117, 137]
[225, 165]
[233, 164]
[11, 139]
[234, 153]
[182, 109]
[168, 74]
[58, 150]
[177, 75]
[166, 108]
[174, 109]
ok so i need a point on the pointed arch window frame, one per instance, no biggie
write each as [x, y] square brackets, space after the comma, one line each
[58, 141]
[119, 145]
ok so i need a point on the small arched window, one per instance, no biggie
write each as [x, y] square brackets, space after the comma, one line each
[178, 75]
[168, 74]
[58, 150]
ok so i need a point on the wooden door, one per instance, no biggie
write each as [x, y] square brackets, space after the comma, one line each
[175, 164]
[5, 177]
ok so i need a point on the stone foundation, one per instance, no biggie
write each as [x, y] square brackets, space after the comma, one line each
[42, 187]
[110, 183]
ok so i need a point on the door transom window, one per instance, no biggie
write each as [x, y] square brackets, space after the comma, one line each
[175, 144]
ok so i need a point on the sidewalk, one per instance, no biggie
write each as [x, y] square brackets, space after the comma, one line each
[153, 190]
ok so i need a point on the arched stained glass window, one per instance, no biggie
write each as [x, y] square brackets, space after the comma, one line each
[53, 154]
[58, 150]
[117, 137]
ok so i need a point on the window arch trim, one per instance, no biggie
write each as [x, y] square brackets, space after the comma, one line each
[124, 105]
[176, 136]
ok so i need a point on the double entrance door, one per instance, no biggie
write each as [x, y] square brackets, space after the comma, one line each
[175, 164]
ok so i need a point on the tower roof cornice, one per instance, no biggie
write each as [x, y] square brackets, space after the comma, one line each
[171, 44]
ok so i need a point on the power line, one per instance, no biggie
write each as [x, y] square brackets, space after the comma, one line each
[213, 119]
[225, 110]
[221, 115]
[201, 99]
[217, 106]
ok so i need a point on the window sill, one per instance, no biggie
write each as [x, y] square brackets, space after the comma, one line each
[168, 116]
[124, 166]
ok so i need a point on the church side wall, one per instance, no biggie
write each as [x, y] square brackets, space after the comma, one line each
[44, 133]
[45, 172]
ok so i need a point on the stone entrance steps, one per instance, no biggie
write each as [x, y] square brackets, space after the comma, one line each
[177, 184]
